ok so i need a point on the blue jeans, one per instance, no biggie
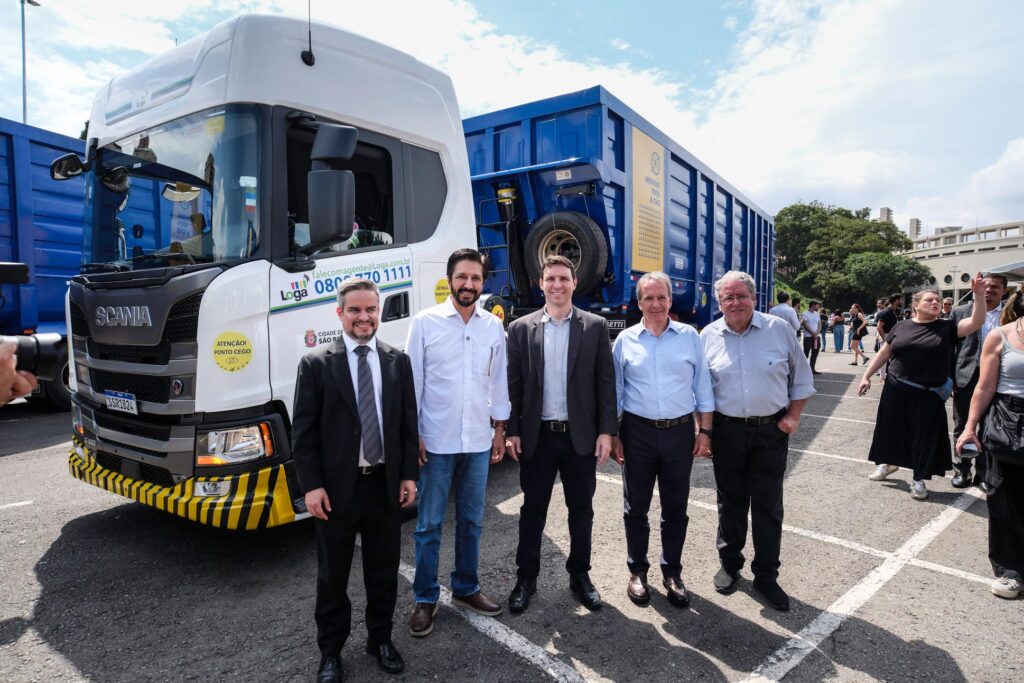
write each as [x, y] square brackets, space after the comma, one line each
[838, 337]
[468, 472]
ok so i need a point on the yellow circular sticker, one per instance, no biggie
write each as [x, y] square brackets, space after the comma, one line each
[441, 290]
[232, 351]
[499, 312]
[703, 297]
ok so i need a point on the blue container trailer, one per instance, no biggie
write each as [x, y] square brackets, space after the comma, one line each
[585, 176]
[41, 226]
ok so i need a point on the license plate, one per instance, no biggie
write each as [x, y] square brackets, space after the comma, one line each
[118, 400]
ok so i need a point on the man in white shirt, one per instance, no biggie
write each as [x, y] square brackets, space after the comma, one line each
[785, 311]
[458, 361]
[810, 322]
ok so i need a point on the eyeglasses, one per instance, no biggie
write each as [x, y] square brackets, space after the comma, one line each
[737, 298]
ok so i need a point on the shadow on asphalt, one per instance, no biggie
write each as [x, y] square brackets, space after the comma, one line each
[48, 428]
[134, 594]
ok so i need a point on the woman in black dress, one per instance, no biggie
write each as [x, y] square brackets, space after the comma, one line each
[858, 328]
[911, 429]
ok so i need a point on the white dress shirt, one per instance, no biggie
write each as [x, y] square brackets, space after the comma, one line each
[461, 377]
[373, 360]
[991, 323]
[813, 320]
[787, 313]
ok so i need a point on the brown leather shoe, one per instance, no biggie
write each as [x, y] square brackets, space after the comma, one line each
[637, 589]
[676, 592]
[421, 623]
[479, 603]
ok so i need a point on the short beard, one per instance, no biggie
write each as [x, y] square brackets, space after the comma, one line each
[361, 338]
[458, 297]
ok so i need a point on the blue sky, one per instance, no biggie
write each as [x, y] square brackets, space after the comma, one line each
[913, 104]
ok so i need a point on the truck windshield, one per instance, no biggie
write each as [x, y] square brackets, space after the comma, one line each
[183, 192]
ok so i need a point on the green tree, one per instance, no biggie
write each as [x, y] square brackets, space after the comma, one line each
[795, 226]
[874, 274]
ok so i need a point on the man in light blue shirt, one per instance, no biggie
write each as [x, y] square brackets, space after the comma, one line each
[661, 380]
[762, 382]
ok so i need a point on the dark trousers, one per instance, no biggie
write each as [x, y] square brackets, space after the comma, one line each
[1006, 521]
[961, 408]
[750, 463]
[378, 523]
[554, 455]
[811, 349]
[665, 456]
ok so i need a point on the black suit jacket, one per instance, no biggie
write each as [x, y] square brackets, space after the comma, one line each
[968, 353]
[590, 382]
[326, 431]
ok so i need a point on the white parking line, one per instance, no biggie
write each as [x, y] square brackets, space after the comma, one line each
[783, 660]
[503, 635]
[861, 398]
[832, 455]
[15, 505]
[841, 419]
[943, 569]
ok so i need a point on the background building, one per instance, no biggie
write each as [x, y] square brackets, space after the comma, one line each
[954, 254]
[885, 214]
[915, 228]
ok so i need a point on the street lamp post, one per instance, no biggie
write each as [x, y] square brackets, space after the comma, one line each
[24, 82]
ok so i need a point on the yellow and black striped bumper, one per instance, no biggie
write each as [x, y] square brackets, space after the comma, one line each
[255, 500]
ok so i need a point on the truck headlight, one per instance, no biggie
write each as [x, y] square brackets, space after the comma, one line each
[234, 445]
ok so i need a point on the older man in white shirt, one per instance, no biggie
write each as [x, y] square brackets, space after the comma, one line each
[457, 352]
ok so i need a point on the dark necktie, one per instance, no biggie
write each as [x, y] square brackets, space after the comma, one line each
[373, 451]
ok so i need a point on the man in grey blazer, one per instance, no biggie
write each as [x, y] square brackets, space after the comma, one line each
[965, 376]
[561, 383]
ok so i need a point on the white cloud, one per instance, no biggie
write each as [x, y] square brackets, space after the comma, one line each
[730, 23]
[992, 195]
[619, 44]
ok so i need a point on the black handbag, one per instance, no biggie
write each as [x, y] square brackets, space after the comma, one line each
[1001, 431]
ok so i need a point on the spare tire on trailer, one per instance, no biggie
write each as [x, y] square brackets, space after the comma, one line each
[569, 234]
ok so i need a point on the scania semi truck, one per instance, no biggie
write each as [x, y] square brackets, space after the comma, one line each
[232, 184]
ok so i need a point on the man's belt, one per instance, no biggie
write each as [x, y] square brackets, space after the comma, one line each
[367, 470]
[560, 426]
[664, 424]
[756, 421]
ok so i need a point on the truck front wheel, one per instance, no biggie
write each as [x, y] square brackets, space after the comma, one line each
[574, 236]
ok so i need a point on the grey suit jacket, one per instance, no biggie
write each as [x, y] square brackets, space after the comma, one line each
[591, 380]
[968, 353]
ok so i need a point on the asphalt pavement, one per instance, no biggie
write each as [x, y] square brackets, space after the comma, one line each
[884, 587]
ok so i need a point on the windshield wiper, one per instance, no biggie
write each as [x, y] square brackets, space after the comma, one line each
[154, 256]
[102, 268]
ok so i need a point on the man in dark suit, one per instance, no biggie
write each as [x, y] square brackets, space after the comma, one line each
[355, 443]
[561, 383]
[965, 376]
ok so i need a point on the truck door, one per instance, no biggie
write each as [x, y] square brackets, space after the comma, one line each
[304, 301]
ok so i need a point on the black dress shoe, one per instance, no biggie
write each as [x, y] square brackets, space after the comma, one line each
[979, 481]
[388, 657]
[676, 592]
[773, 594]
[329, 671]
[584, 590]
[519, 598]
[961, 480]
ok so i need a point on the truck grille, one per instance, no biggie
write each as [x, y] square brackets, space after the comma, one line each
[150, 473]
[145, 387]
[79, 327]
[127, 425]
[183, 320]
[146, 355]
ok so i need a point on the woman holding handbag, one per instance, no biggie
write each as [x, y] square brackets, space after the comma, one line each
[1000, 392]
[912, 429]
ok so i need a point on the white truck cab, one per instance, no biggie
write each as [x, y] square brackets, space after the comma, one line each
[223, 208]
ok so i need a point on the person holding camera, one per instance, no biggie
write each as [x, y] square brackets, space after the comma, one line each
[999, 396]
[14, 383]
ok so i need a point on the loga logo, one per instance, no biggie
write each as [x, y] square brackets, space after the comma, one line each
[297, 290]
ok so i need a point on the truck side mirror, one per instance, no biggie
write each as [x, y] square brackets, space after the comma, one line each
[66, 167]
[331, 192]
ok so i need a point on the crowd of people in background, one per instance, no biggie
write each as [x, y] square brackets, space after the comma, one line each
[925, 354]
